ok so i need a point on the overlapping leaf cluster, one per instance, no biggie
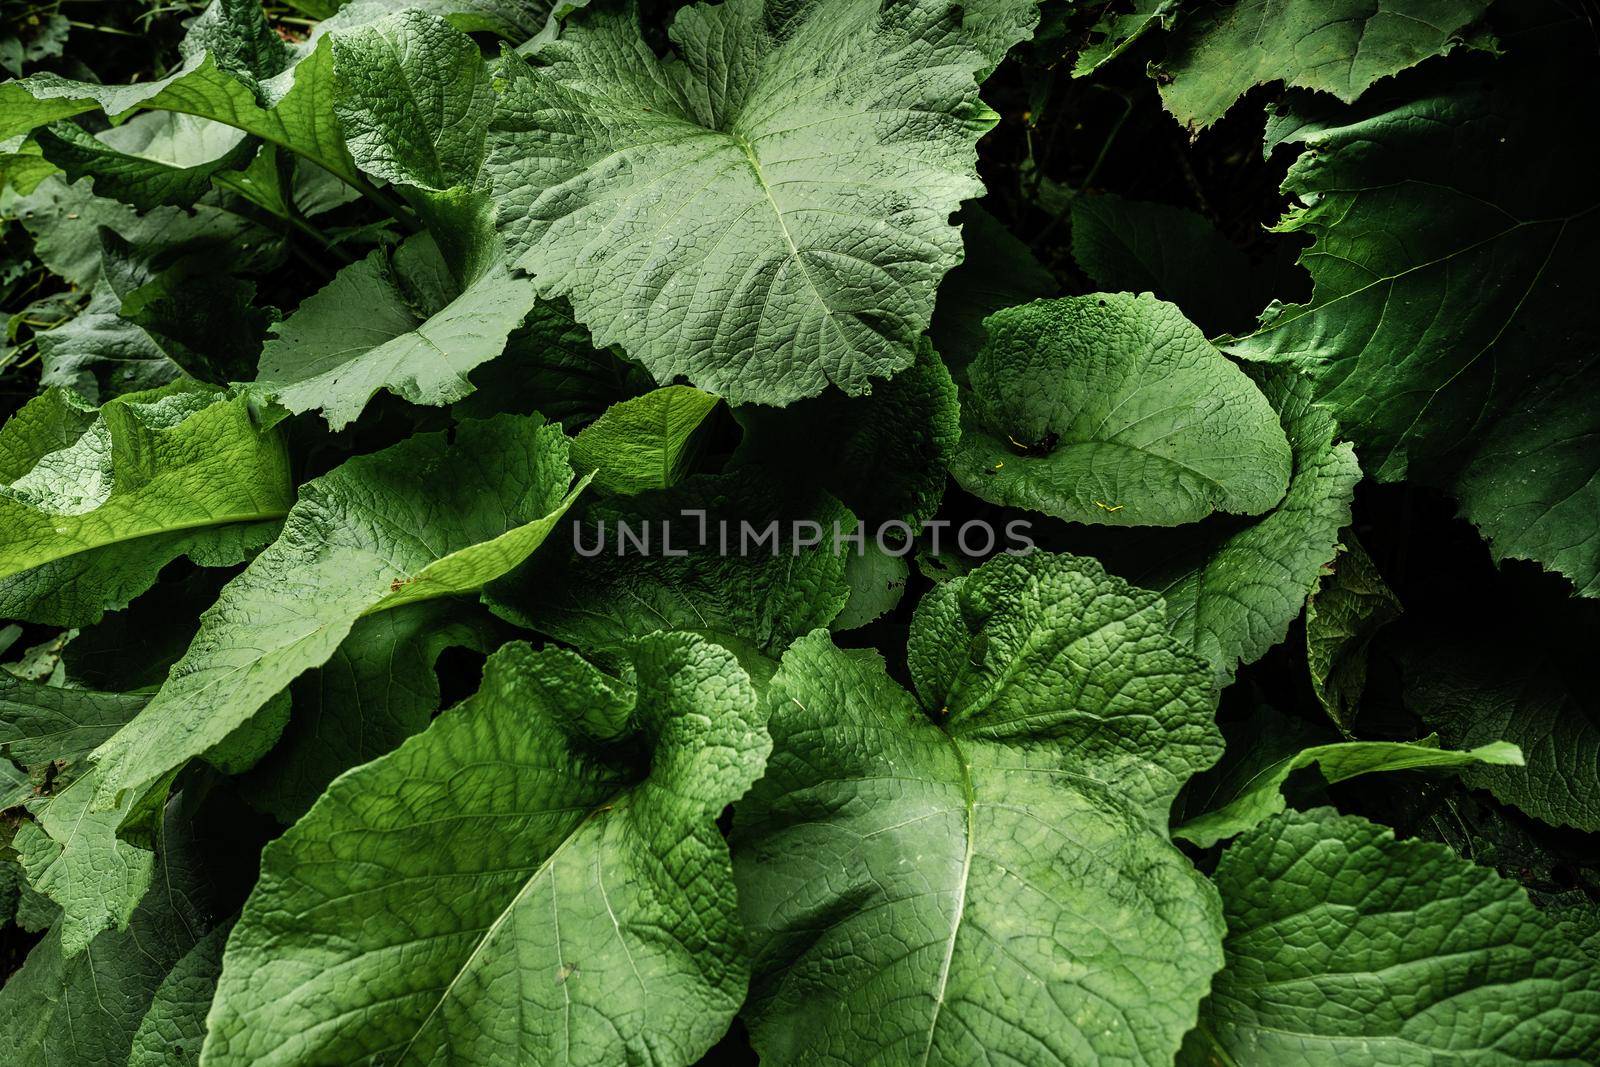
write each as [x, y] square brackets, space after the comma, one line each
[378, 358]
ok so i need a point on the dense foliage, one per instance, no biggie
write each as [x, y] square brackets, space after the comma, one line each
[799, 531]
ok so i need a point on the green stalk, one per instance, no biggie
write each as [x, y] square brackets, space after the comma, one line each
[401, 214]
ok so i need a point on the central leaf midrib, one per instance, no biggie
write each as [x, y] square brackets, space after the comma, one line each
[750, 156]
[595, 810]
[203, 524]
[969, 798]
[435, 160]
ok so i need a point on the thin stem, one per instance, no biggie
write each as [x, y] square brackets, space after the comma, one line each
[1046, 149]
[296, 218]
[1105, 147]
[1094, 170]
[1193, 181]
[113, 30]
[315, 264]
[285, 223]
[389, 204]
[311, 231]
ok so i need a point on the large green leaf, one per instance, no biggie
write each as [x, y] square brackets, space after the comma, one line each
[15, 789]
[413, 100]
[1442, 331]
[99, 354]
[423, 519]
[65, 222]
[286, 186]
[35, 912]
[517, 21]
[1232, 591]
[1115, 409]
[150, 160]
[537, 878]
[877, 579]
[238, 36]
[237, 78]
[292, 110]
[981, 872]
[1241, 794]
[399, 323]
[189, 306]
[70, 853]
[170, 157]
[96, 502]
[993, 26]
[58, 1011]
[643, 443]
[41, 725]
[1219, 53]
[764, 211]
[73, 856]
[1347, 946]
[66, 853]
[22, 164]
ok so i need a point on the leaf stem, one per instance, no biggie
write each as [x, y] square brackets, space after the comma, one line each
[320, 268]
[1105, 146]
[1093, 171]
[1220, 1054]
[402, 214]
[285, 222]
[102, 29]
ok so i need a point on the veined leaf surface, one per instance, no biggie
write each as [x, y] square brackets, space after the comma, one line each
[536, 878]
[982, 870]
[422, 519]
[764, 211]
